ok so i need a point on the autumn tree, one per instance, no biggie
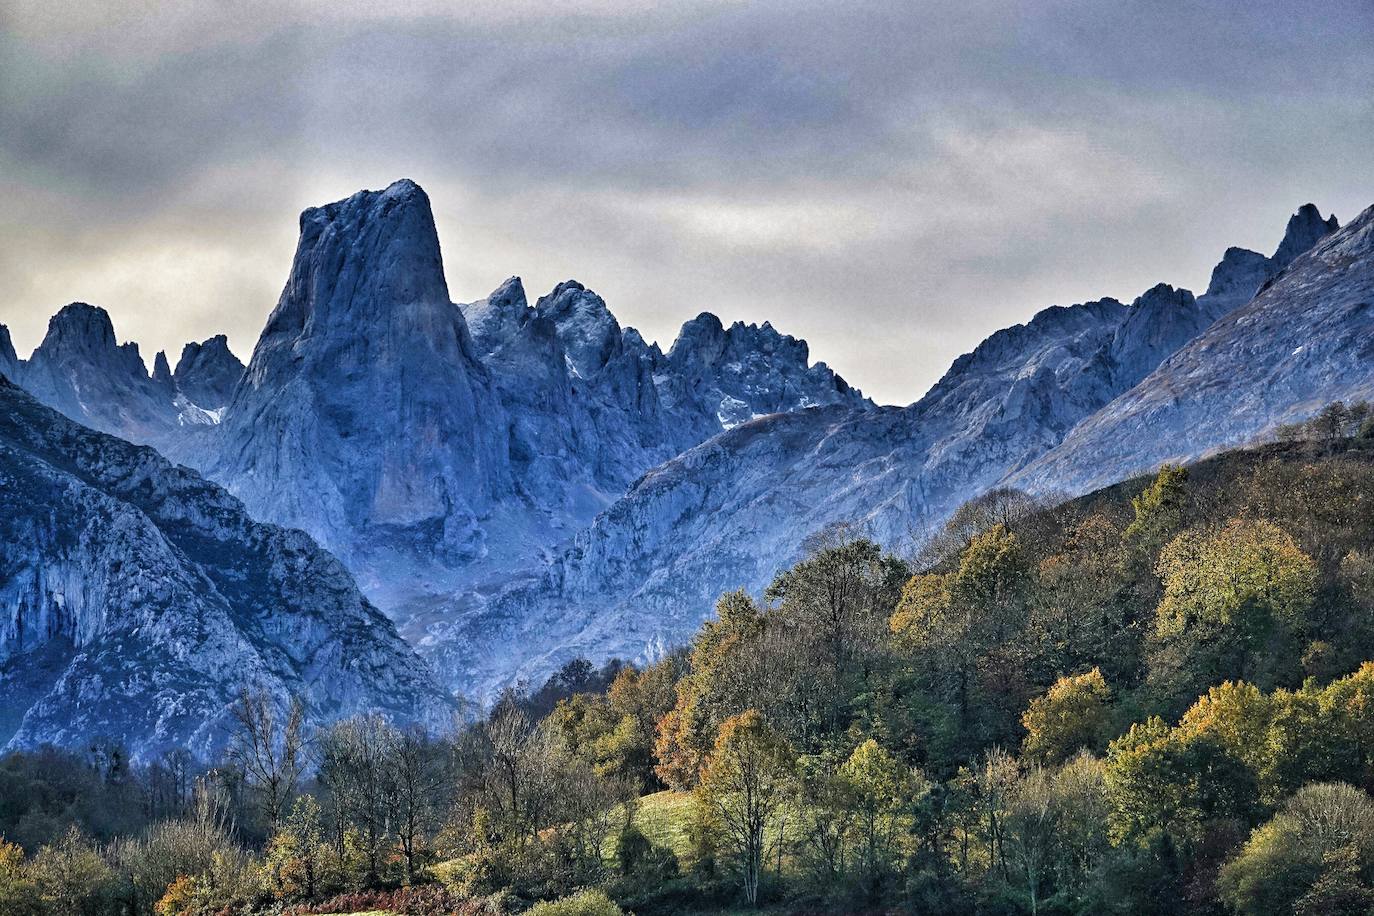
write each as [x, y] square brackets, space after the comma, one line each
[1235, 605]
[725, 678]
[1073, 715]
[744, 788]
[71, 877]
[960, 626]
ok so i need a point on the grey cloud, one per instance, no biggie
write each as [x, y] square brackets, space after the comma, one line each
[890, 180]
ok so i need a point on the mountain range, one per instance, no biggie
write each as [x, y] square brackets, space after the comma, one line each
[515, 485]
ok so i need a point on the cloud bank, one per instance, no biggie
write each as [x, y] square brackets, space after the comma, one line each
[890, 180]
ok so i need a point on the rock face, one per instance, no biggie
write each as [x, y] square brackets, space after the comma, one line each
[138, 599]
[80, 370]
[9, 360]
[1306, 340]
[364, 413]
[207, 372]
[736, 374]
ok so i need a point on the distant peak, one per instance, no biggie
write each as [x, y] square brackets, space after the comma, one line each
[1163, 291]
[162, 373]
[700, 338]
[1305, 228]
[82, 323]
[510, 292]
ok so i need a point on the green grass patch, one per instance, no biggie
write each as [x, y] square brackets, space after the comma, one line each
[665, 818]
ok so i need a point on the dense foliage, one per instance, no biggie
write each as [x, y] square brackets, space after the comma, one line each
[1159, 698]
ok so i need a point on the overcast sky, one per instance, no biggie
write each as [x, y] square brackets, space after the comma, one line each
[891, 181]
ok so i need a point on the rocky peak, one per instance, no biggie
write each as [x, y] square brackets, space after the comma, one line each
[162, 373]
[80, 370]
[590, 334]
[701, 340]
[1238, 274]
[78, 328]
[495, 320]
[364, 408]
[368, 261]
[207, 372]
[1305, 229]
[1158, 322]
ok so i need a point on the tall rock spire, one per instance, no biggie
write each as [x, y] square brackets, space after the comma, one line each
[363, 408]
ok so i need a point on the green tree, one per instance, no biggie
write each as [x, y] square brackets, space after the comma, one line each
[879, 789]
[1159, 510]
[1235, 606]
[1318, 852]
[295, 858]
[1160, 778]
[959, 627]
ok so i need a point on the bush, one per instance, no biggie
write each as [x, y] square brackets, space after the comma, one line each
[180, 898]
[18, 894]
[72, 878]
[591, 902]
[421, 900]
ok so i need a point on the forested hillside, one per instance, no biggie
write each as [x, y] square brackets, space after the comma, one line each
[1155, 698]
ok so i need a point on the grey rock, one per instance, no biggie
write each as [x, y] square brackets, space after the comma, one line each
[733, 511]
[137, 600]
[207, 373]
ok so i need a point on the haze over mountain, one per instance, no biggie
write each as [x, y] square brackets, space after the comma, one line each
[517, 484]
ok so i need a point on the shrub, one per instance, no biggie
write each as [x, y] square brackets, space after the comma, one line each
[419, 900]
[591, 902]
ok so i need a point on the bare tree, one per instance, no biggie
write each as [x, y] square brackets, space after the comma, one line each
[356, 758]
[270, 749]
[417, 776]
[1004, 506]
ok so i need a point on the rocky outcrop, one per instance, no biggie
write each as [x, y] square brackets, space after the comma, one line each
[1305, 229]
[137, 600]
[81, 371]
[9, 360]
[723, 377]
[207, 373]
